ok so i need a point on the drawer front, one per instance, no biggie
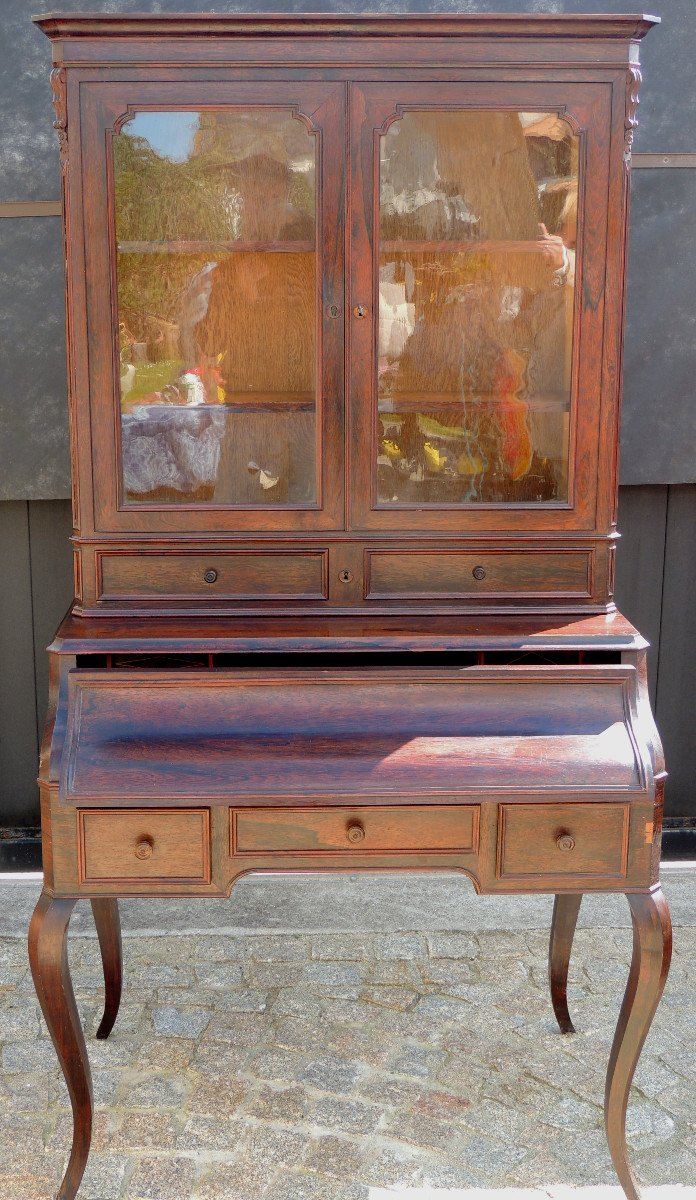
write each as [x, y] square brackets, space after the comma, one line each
[562, 840]
[229, 575]
[422, 829]
[147, 844]
[466, 574]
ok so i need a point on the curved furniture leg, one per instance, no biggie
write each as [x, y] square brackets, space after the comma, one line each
[108, 925]
[652, 951]
[48, 958]
[565, 916]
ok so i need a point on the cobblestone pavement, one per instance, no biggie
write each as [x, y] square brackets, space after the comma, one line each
[339, 1065]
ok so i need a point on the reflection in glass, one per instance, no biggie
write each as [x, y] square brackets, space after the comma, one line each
[215, 228]
[478, 217]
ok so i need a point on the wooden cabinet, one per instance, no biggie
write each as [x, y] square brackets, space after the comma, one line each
[372, 305]
[345, 305]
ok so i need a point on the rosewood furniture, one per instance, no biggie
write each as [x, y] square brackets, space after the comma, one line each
[345, 303]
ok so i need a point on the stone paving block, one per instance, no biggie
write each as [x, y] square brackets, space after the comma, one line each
[350, 1116]
[305, 1186]
[211, 1133]
[184, 1022]
[146, 1131]
[275, 1147]
[151, 1090]
[453, 945]
[218, 974]
[237, 1029]
[163, 1053]
[330, 1074]
[351, 947]
[105, 1176]
[399, 945]
[284, 948]
[164, 1177]
[335, 1156]
[235, 1181]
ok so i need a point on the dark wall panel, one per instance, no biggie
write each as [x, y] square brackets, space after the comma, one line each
[50, 526]
[34, 456]
[639, 564]
[18, 727]
[676, 684]
[658, 426]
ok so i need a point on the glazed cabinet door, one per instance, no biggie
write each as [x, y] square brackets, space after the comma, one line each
[213, 249]
[479, 232]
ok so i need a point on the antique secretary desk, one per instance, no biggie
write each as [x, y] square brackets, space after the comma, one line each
[345, 302]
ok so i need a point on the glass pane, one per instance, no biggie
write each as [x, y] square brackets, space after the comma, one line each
[216, 230]
[478, 216]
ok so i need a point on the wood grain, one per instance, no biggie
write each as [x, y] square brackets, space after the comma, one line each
[397, 574]
[565, 915]
[48, 958]
[239, 575]
[652, 952]
[179, 841]
[324, 830]
[163, 735]
[531, 840]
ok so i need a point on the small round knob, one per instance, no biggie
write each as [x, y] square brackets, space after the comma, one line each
[355, 832]
[210, 576]
[479, 572]
[565, 842]
[360, 310]
[345, 576]
[144, 848]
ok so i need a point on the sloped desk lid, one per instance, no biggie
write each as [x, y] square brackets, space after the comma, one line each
[246, 736]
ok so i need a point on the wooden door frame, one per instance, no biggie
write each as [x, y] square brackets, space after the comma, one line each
[588, 108]
[104, 106]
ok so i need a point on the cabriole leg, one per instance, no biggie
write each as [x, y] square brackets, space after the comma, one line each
[565, 916]
[48, 958]
[108, 925]
[652, 950]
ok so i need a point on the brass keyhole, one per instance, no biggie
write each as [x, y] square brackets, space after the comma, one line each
[345, 576]
[360, 310]
[334, 310]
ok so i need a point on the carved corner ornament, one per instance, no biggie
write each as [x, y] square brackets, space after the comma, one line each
[632, 99]
[60, 106]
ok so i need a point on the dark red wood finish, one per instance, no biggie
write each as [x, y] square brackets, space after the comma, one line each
[359, 687]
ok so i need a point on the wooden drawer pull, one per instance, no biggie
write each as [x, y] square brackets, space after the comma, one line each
[565, 842]
[144, 848]
[355, 832]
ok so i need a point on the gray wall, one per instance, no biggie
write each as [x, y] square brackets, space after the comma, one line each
[656, 575]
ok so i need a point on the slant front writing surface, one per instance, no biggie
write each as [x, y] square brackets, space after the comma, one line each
[477, 236]
[215, 213]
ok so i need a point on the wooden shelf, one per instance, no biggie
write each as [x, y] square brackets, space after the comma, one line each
[207, 247]
[426, 402]
[452, 246]
[240, 402]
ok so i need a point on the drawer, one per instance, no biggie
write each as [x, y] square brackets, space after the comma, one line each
[562, 840]
[423, 828]
[466, 574]
[147, 844]
[220, 575]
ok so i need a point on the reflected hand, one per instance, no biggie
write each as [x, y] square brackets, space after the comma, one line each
[552, 247]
